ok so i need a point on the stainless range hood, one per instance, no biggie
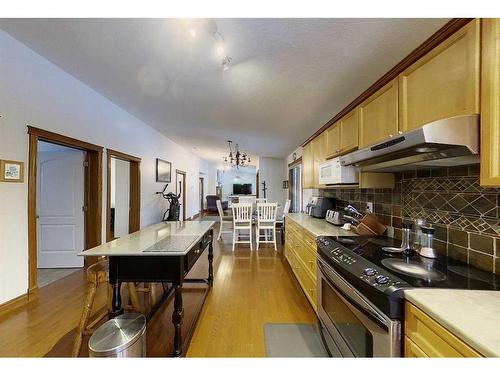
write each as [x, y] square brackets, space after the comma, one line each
[443, 143]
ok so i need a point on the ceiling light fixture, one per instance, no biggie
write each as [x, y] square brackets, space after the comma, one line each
[226, 60]
[236, 158]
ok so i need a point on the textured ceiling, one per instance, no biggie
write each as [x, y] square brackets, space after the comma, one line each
[288, 77]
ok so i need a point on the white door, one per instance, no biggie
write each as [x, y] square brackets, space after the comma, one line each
[60, 201]
[180, 187]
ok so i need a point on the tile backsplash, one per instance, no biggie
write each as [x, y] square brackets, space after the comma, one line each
[465, 215]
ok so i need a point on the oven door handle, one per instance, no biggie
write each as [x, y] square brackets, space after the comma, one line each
[357, 299]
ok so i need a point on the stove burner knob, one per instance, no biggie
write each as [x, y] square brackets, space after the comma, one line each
[381, 279]
[369, 272]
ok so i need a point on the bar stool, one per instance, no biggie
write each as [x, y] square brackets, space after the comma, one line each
[98, 274]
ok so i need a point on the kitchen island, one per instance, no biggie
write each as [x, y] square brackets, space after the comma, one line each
[162, 253]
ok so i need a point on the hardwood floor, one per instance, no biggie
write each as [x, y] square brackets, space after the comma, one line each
[250, 289]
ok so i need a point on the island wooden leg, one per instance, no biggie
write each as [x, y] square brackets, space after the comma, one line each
[116, 304]
[177, 320]
[210, 259]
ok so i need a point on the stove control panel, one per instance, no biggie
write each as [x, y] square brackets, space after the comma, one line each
[357, 265]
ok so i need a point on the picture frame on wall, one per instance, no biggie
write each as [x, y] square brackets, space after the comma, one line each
[285, 184]
[11, 171]
[163, 171]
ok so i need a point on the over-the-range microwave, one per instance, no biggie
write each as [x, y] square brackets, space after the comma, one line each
[332, 173]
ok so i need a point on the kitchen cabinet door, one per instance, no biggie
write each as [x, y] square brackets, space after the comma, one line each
[333, 140]
[444, 83]
[490, 103]
[378, 115]
[319, 155]
[307, 166]
[349, 132]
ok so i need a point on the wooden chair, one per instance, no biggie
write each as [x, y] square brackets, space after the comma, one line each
[224, 220]
[98, 274]
[242, 220]
[266, 221]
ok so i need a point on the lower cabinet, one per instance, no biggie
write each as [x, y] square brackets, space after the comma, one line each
[424, 337]
[300, 252]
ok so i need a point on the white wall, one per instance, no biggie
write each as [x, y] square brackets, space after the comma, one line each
[120, 195]
[230, 176]
[272, 172]
[33, 91]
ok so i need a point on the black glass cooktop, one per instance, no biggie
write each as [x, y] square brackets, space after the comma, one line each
[418, 271]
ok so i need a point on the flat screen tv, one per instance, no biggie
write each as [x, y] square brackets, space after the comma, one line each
[242, 189]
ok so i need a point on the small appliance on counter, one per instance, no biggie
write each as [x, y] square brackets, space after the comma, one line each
[318, 206]
[335, 217]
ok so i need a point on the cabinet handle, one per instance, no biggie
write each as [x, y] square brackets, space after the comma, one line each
[312, 290]
[391, 135]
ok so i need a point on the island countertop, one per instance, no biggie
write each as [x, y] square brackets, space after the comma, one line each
[471, 315]
[318, 227]
[163, 239]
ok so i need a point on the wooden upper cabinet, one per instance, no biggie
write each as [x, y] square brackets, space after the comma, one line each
[307, 166]
[378, 115]
[319, 155]
[333, 140]
[349, 131]
[490, 103]
[444, 83]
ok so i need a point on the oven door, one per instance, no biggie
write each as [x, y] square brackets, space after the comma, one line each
[356, 327]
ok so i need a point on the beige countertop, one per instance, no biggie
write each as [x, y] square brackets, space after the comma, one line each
[471, 315]
[318, 227]
[167, 238]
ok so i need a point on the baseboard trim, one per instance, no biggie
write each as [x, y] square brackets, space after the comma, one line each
[8, 306]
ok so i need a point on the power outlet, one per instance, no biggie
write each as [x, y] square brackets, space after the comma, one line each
[369, 206]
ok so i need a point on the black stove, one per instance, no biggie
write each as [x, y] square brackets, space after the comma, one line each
[382, 277]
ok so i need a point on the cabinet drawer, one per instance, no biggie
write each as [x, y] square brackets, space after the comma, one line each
[307, 257]
[432, 338]
[412, 350]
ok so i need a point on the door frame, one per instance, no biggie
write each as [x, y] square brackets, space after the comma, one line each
[134, 217]
[184, 193]
[92, 193]
[291, 166]
[202, 194]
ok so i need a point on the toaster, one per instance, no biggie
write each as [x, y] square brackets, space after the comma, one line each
[335, 217]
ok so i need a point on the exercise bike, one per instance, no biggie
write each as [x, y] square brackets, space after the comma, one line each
[173, 212]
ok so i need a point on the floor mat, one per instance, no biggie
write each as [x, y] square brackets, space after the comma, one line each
[293, 340]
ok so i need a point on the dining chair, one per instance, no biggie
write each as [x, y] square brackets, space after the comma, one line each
[247, 200]
[226, 220]
[242, 220]
[280, 223]
[266, 221]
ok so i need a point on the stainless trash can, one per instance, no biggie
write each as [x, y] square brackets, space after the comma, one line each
[123, 336]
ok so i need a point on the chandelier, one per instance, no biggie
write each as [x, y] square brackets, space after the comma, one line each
[236, 158]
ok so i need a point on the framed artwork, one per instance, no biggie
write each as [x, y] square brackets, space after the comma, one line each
[285, 184]
[163, 171]
[11, 171]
